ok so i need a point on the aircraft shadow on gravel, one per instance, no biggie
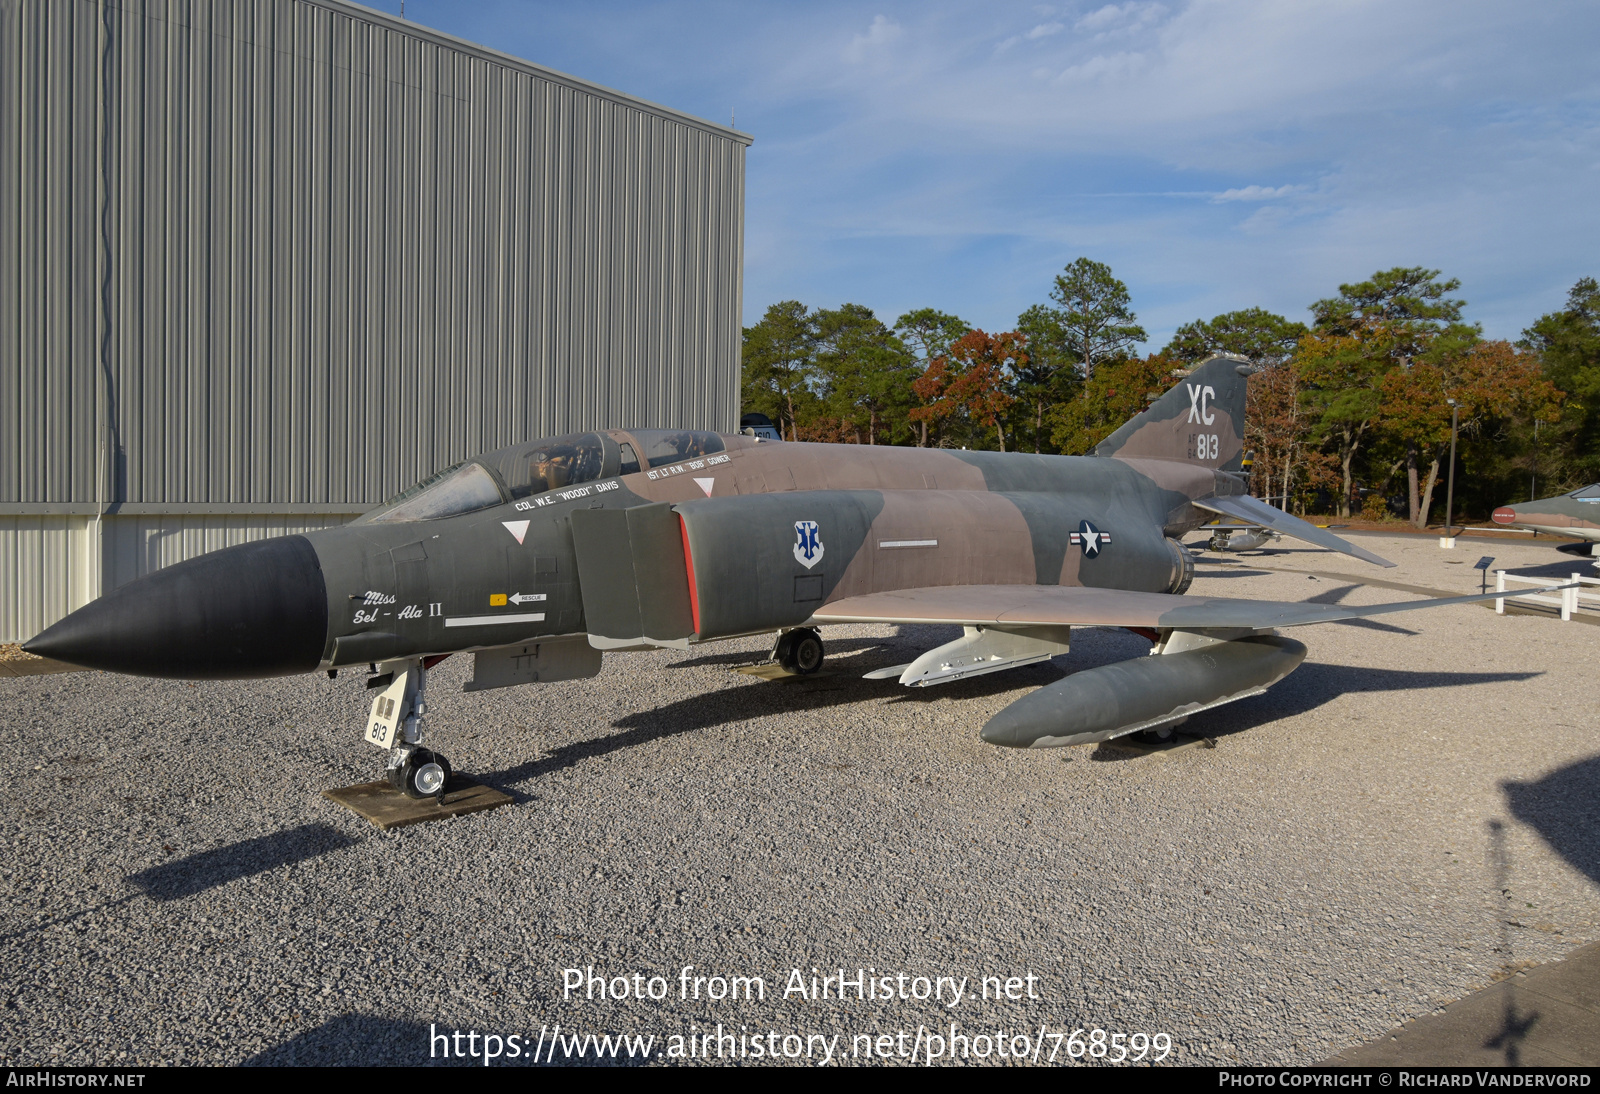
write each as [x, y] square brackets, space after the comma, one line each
[371, 1040]
[835, 647]
[760, 699]
[208, 869]
[1316, 684]
[1313, 685]
[351, 1040]
[1564, 808]
[1337, 595]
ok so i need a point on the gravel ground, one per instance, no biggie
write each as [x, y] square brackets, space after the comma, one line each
[1408, 816]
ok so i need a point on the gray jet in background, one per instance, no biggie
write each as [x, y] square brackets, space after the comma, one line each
[1576, 515]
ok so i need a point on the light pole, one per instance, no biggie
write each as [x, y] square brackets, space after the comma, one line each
[1450, 490]
[1533, 479]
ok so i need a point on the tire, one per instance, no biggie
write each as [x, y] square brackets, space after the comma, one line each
[423, 775]
[783, 651]
[806, 654]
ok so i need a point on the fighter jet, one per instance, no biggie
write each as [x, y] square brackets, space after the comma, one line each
[539, 557]
[1576, 514]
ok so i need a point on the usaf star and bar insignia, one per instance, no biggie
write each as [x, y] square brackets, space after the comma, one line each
[1090, 538]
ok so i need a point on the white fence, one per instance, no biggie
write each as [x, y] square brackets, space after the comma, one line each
[1568, 600]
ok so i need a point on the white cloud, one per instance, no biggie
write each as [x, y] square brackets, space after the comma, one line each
[1045, 30]
[1104, 67]
[1255, 193]
[1122, 18]
[879, 34]
[961, 163]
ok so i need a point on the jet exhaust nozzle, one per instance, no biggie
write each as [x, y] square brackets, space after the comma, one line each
[1114, 700]
[256, 610]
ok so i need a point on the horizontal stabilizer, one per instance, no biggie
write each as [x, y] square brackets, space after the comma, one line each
[1257, 512]
[1021, 606]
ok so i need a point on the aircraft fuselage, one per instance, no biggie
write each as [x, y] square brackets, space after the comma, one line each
[757, 535]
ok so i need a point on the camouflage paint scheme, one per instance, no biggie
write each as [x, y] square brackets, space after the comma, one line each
[980, 519]
[544, 553]
[1576, 514]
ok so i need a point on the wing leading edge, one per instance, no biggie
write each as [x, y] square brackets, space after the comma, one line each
[1011, 606]
[1260, 514]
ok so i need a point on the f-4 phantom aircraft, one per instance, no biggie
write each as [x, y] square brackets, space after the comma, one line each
[541, 556]
[1576, 514]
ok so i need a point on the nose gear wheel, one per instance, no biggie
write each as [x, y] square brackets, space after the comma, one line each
[423, 774]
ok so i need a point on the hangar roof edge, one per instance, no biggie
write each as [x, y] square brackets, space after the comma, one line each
[577, 83]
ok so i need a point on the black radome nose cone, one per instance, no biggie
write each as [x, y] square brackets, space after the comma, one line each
[259, 609]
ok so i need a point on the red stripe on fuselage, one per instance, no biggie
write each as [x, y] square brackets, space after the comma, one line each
[688, 565]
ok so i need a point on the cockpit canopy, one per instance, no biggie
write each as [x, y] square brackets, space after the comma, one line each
[554, 463]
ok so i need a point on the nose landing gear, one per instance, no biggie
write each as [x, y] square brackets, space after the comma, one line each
[396, 724]
[421, 773]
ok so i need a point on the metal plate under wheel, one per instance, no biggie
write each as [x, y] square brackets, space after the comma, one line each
[771, 670]
[387, 808]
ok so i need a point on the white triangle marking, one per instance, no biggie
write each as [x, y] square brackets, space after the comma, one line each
[706, 485]
[518, 528]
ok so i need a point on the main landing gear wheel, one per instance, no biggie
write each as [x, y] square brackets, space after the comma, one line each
[1163, 734]
[423, 774]
[800, 651]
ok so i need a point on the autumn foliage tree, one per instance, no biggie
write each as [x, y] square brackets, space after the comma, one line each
[972, 381]
[928, 335]
[932, 388]
[1117, 391]
[1275, 431]
[1489, 381]
[1340, 377]
[986, 365]
[1340, 409]
[1401, 316]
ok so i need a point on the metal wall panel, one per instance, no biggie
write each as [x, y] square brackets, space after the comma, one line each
[296, 252]
[45, 570]
[135, 546]
[50, 565]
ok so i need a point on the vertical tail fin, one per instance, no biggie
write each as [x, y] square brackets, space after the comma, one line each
[1200, 420]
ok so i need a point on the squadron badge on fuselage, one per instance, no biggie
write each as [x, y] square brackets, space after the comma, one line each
[807, 543]
[1090, 538]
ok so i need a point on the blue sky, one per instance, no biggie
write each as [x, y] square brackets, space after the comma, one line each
[1216, 155]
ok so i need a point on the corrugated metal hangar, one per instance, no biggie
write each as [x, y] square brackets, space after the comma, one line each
[263, 263]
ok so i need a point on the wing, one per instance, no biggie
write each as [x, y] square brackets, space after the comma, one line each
[1017, 606]
[1257, 512]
